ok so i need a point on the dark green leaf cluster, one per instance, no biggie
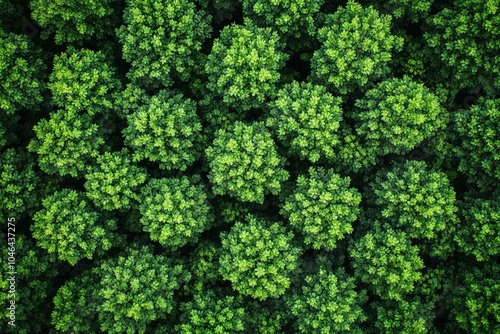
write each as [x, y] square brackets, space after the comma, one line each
[387, 261]
[290, 18]
[415, 199]
[21, 73]
[480, 139]
[329, 303]
[161, 40]
[74, 21]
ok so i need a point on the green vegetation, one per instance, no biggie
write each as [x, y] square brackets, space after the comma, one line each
[250, 166]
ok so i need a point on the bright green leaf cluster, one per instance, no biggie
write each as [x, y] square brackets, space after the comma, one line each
[74, 21]
[137, 288]
[306, 118]
[113, 183]
[244, 163]
[175, 211]
[66, 143]
[387, 261]
[211, 313]
[292, 18]
[166, 130]
[356, 46]
[257, 257]
[243, 66]
[322, 208]
[329, 303]
[419, 201]
[161, 39]
[397, 115]
[83, 80]
[69, 227]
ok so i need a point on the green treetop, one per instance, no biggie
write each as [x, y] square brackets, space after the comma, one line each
[477, 302]
[161, 40]
[75, 21]
[243, 66]
[21, 73]
[83, 80]
[480, 139]
[397, 115]
[479, 233]
[419, 201]
[137, 288]
[166, 129]
[175, 211]
[66, 143]
[328, 303]
[306, 118]
[356, 46]
[68, 226]
[18, 183]
[387, 261]
[465, 37]
[322, 207]
[210, 312]
[113, 183]
[257, 258]
[290, 18]
[244, 163]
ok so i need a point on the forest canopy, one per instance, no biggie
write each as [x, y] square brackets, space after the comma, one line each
[250, 166]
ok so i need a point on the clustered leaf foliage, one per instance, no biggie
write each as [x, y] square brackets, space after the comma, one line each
[397, 115]
[243, 66]
[257, 258]
[137, 288]
[114, 182]
[328, 303]
[415, 199]
[356, 47]
[480, 139]
[21, 73]
[292, 18]
[175, 210]
[66, 143]
[479, 233]
[387, 261]
[161, 40]
[83, 80]
[68, 226]
[306, 118]
[74, 21]
[244, 163]
[165, 130]
[322, 207]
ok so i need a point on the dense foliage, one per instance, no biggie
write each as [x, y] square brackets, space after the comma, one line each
[250, 166]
